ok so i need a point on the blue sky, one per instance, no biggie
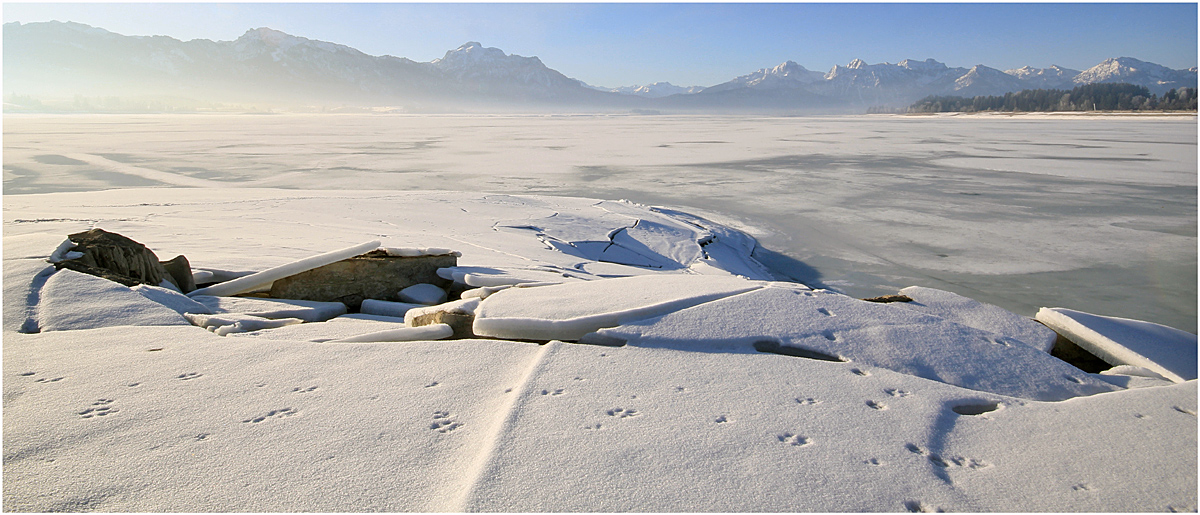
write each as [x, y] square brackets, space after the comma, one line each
[686, 44]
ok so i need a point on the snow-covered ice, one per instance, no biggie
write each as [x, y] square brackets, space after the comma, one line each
[713, 404]
[1166, 351]
[266, 277]
[425, 294]
[70, 300]
[387, 308]
[972, 313]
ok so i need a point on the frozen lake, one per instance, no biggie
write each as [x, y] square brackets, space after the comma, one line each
[1096, 214]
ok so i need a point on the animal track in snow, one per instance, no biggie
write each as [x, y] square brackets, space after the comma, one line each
[443, 423]
[300, 389]
[808, 401]
[949, 461]
[792, 439]
[99, 408]
[877, 405]
[44, 380]
[721, 419]
[275, 413]
[825, 312]
[917, 507]
[1081, 487]
[873, 461]
[622, 412]
[27, 373]
[895, 392]
[829, 335]
[431, 385]
[1184, 410]
[592, 427]
[555, 392]
[860, 372]
[188, 376]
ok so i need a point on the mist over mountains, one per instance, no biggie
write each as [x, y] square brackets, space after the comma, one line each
[57, 61]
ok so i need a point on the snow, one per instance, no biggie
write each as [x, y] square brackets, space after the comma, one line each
[569, 311]
[266, 277]
[467, 306]
[224, 325]
[688, 415]
[1163, 350]
[424, 294]
[972, 313]
[172, 299]
[419, 251]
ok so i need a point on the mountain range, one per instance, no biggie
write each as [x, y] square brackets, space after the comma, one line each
[267, 67]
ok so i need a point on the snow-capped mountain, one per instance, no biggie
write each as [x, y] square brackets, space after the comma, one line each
[1054, 77]
[786, 75]
[272, 67]
[1156, 77]
[653, 90]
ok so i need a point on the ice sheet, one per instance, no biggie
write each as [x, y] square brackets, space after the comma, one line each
[1120, 341]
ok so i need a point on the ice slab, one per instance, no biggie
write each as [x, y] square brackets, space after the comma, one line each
[387, 308]
[344, 326]
[257, 280]
[424, 294]
[569, 311]
[481, 276]
[70, 300]
[306, 310]
[835, 327]
[1166, 351]
[467, 306]
[172, 299]
[402, 334]
[972, 313]
[226, 324]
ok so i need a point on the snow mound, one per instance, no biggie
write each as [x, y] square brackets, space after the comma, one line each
[834, 327]
[569, 311]
[972, 313]
[71, 300]
[306, 310]
[1166, 351]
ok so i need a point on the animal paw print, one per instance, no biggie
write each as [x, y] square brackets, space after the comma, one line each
[432, 384]
[860, 372]
[442, 422]
[623, 412]
[792, 439]
[896, 392]
[948, 462]
[299, 389]
[99, 408]
[877, 405]
[721, 419]
[592, 427]
[45, 380]
[555, 392]
[917, 507]
[808, 401]
[275, 413]
[1184, 410]
[1081, 487]
[873, 461]
[188, 376]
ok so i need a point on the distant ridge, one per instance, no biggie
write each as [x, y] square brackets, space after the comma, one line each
[57, 60]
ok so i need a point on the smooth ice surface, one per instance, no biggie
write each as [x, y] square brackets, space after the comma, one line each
[1120, 341]
[424, 294]
[569, 311]
[70, 300]
[266, 277]
[869, 335]
[863, 204]
[972, 313]
[306, 310]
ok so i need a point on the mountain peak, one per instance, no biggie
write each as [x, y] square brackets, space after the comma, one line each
[857, 64]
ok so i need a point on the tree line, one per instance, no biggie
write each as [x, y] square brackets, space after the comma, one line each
[1088, 97]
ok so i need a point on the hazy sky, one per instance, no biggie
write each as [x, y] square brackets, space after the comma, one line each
[685, 44]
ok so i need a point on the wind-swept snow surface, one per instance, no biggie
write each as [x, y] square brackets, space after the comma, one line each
[739, 394]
